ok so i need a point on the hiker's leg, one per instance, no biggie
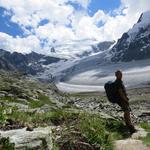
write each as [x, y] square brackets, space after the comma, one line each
[127, 118]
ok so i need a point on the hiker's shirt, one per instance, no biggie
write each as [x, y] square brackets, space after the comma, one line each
[119, 85]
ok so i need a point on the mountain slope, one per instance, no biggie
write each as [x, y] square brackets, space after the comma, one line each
[31, 63]
[135, 44]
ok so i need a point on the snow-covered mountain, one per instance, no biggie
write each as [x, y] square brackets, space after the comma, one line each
[135, 44]
[48, 68]
[91, 73]
[79, 49]
[64, 69]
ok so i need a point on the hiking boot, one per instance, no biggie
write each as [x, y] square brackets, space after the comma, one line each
[132, 129]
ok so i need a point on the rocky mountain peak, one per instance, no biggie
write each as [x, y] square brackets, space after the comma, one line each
[135, 44]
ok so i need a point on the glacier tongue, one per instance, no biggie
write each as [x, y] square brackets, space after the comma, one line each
[135, 74]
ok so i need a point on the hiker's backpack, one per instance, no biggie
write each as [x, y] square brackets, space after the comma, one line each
[110, 89]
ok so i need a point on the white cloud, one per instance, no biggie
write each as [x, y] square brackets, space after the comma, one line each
[65, 23]
[21, 45]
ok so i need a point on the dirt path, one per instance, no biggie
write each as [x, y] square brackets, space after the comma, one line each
[132, 143]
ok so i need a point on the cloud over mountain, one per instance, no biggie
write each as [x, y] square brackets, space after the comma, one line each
[46, 23]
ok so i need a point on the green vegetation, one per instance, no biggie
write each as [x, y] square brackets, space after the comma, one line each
[90, 130]
[2, 115]
[42, 100]
[146, 140]
[6, 145]
[56, 116]
[145, 126]
[117, 129]
[93, 128]
[11, 99]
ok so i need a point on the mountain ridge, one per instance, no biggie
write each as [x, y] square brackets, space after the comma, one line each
[134, 44]
[31, 63]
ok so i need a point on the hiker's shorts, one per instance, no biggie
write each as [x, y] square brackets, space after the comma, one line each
[124, 106]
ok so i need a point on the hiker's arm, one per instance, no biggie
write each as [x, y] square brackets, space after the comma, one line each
[123, 96]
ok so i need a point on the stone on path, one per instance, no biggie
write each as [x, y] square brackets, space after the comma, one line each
[140, 133]
[132, 143]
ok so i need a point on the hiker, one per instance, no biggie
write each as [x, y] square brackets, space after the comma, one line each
[123, 100]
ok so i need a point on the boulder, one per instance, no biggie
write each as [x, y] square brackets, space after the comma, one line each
[32, 139]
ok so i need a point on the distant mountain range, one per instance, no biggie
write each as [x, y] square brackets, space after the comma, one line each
[31, 63]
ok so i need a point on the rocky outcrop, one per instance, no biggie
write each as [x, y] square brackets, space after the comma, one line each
[38, 138]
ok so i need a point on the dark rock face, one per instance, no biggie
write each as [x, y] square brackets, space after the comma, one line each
[138, 49]
[31, 63]
[102, 46]
[130, 48]
[53, 50]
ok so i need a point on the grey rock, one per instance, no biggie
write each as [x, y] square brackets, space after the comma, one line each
[2, 95]
[31, 139]
[18, 105]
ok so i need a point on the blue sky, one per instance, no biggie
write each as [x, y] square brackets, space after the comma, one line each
[7, 26]
[34, 25]
[105, 5]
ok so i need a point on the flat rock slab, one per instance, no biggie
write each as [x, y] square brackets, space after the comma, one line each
[130, 144]
[140, 133]
[32, 139]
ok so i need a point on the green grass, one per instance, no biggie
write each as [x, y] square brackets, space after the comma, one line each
[2, 117]
[42, 100]
[54, 117]
[93, 127]
[145, 126]
[146, 140]
[12, 100]
[117, 129]
[6, 145]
